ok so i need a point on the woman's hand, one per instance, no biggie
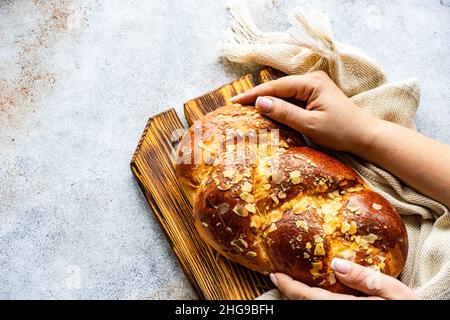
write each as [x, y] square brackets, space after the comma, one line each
[330, 119]
[373, 283]
[334, 121]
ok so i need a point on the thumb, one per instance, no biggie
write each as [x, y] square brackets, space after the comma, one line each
[284, 112]
[369, 281]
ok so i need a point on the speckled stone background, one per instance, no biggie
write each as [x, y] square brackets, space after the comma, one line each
[78, 81]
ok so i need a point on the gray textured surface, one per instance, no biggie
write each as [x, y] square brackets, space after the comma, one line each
[78, 80]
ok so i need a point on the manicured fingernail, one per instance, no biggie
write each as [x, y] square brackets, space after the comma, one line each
[264, 104]
[236, 97]
[274, 279]
[341, 265]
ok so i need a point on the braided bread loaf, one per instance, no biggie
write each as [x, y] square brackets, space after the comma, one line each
[283, 207]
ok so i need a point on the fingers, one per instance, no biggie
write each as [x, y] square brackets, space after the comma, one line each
[284, 112]
[296, 290]
[355, 276]
[369, 281]
[298, 87]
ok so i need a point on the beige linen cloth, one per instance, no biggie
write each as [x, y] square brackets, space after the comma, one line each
[308, 45]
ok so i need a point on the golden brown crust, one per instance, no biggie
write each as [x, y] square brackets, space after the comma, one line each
[285, 208]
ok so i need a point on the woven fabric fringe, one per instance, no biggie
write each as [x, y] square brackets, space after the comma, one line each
[308, 46]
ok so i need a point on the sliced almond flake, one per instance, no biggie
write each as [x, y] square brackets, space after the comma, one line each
[296, 180]
[331, 278]
[241, 244]
[369, 260]
[317, 275]
[333, 222]
[345, 227]
[250, 198]
[354, 246]
[250, 207]
[319, 249]
[275, 199]
[321, 186]
[377, 206]
[224, 187]
[347, 254]
[252, 254]
[247, 197]
[329, 209]
[255, 221]
[223, 208]
[247, 173]
[283, 144]
[354, 189]
[306, 255]
[272, 228]
[216, 162]
[327, 229]
[302, 224]
[336, 204]
[300, 206]
[267, 187]
[237, 178]
[369, 251]
[247, 187]
[317, 238]
[361, 241]
[353, 228]
[316, 267]
[216, 181]
[294, 174]
[240, 210]
[277, 177]
[287, 206]
[282, 195]
[276, 216]
[228, 173]
[370, 238]
[352, 206]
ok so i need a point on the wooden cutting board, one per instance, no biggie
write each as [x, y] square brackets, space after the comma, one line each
[211, 275]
